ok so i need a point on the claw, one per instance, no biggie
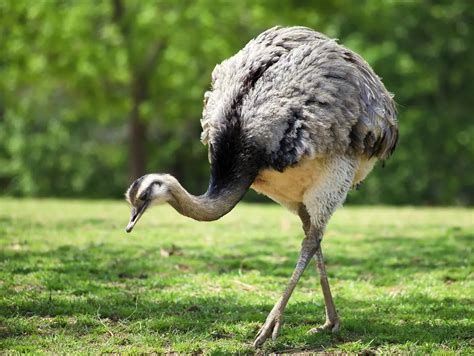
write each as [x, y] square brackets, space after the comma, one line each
[276, 330]
[270, 327]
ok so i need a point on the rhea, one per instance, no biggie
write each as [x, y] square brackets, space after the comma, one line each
[298, 117]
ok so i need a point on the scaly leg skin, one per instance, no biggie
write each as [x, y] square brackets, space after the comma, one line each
[332, 320]
[273, 323]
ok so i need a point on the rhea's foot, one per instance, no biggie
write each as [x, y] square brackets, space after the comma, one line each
[271, 327]
[332, 326]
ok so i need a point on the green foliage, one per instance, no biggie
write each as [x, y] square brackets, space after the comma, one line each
[74, 71]
[72, 281]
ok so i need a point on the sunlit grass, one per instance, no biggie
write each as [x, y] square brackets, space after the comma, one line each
[71, 280]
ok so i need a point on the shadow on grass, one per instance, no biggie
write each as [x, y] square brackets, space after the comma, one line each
[211, 316]
[82, 283]
[105, 262]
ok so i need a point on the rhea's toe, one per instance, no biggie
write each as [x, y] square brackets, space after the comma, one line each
[271, 327]
[332, 326]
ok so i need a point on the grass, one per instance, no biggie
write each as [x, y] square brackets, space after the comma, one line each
[71, 280]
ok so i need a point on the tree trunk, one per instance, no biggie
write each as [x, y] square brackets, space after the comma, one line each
[139, 92]
[137, 140]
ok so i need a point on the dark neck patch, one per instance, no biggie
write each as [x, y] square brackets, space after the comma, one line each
[235, 160]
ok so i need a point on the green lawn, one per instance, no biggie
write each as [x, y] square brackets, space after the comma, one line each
[71, 279]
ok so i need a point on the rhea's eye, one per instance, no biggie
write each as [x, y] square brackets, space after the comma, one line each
[144, 196]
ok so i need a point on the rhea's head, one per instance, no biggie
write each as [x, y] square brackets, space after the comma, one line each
[151, 189]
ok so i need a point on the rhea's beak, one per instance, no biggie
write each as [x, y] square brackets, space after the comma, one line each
[135, 216]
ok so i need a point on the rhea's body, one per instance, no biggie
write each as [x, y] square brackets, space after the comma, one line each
[295, 116]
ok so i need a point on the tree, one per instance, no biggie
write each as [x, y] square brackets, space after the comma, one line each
[94, 94]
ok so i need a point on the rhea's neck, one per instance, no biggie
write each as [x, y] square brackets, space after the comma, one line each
[215, 203]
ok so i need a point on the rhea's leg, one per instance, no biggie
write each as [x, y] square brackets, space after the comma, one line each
[273, 322]
[332, 320]
[319, 204]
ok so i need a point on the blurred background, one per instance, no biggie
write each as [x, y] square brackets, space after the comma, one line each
[95, 93]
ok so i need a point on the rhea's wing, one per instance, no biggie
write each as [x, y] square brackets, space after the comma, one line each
[320, 98]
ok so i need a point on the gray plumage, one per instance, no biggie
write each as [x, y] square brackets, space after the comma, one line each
[299, 93]
[297, 117]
